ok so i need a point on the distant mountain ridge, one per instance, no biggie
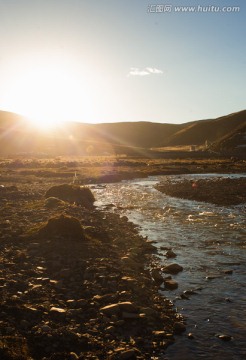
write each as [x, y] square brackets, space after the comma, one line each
[17, 135]
[212, 130]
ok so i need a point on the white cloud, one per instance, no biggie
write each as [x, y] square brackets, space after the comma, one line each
[144, 72]
[154, 70]
[138, 72]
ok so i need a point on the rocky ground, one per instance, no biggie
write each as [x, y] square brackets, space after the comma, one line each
[218, 190]
[77, 283]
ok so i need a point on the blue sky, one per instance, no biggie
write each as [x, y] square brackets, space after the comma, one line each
[111, 60]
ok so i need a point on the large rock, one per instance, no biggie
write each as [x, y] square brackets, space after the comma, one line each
[72, 193]
[172, 269]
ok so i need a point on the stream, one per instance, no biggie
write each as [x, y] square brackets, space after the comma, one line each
[210, 243]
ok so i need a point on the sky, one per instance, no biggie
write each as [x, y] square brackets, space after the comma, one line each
[122, 60]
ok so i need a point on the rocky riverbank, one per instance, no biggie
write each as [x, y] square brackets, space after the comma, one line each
[76, 282]
[218, 190]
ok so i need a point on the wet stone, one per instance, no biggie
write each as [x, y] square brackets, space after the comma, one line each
[171, 284]
[224, 337]
[189, 292]
[179, 328]
[172, 269]
[184, 297]
[228, 272]
[170, 254]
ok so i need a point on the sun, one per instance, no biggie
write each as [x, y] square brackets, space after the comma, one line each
[47, 93]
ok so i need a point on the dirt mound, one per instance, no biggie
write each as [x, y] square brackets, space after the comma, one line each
[72, 194]
[63, 226]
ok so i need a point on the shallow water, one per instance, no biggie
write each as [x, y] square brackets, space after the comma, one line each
[208, 241]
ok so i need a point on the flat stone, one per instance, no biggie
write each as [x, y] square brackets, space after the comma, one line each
[128, 279]
[105, 297]
[110, 310]
[110, 329]
[225, 337]
[120, 307]
[158, 333]
[71, 303]
[58, 310]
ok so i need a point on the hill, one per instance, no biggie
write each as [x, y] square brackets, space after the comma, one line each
[233, 143]
[198, 132]
[18, 136]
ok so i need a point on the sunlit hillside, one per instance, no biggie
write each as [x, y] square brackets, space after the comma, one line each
[18, 135]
